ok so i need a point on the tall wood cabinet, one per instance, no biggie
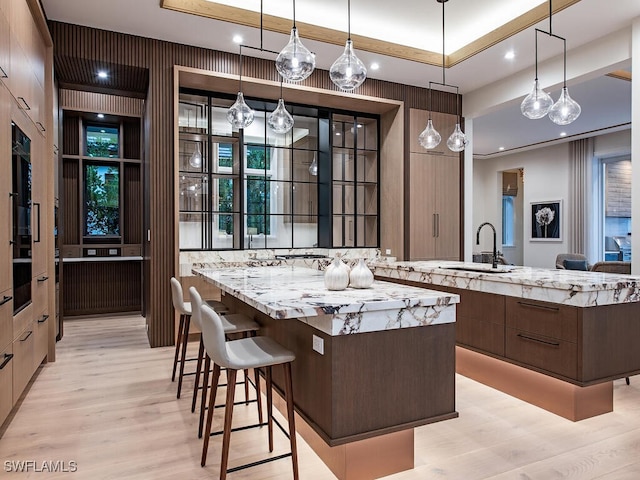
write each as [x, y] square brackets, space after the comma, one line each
[434, 187]
[27, 337]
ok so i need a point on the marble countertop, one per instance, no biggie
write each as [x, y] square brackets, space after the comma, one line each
[568, 287]
[291, 292]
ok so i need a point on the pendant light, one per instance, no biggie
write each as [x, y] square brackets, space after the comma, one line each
[348, 72]
[280, 120]
[538, 103]
[430, 138]
[196, 157]
[240, 115]
[295, 62]
[313, 168]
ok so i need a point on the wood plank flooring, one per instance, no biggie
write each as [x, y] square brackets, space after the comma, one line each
[109, 405]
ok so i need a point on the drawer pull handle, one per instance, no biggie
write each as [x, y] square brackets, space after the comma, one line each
[26, 105]
[43, 278]
[5, 300]
[43, 319]
[28, 335]
[534, 339]
[3, 74]
[535, 305]
[7, 359]
[41, 127]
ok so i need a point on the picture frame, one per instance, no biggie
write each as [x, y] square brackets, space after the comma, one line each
[546, 221]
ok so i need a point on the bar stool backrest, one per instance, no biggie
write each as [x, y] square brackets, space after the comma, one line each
[196, 304]
[213, 338]
[178, 298]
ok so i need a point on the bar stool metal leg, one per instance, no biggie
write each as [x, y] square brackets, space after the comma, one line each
[197, 381]
[212, 402]
[178, 339]
[228, 417]
[205, 383]
[185, 337]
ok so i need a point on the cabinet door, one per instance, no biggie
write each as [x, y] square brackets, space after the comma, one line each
[444, 124]
[6, 319]
[5, 47]
[22, 361]
[39, 228]
[40, 345]
[6, 254]
[422, 221]
[447, 201]
[6, 381]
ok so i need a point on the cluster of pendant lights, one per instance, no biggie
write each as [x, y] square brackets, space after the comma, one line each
[295, 63]
[539, 103]
[430, 138]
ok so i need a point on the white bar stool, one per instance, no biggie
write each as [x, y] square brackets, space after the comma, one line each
[184, 308]
[231, 323]
[234, 355]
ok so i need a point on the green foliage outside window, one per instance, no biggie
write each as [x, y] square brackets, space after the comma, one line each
[225, 204]
[102, 200]
[258, 198]
[102, 142]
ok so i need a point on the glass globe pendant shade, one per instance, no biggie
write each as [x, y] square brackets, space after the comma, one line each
[348, 72]
[240, 115]
[458, 140]
[429, 138]
[280, 121]
[295, 62]
[537, 104]
[565, 110]
[313, 168]
[196, 157]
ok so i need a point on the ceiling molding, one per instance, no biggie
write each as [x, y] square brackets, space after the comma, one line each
[249, 18]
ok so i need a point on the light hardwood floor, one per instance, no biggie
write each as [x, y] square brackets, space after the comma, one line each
[108, 404]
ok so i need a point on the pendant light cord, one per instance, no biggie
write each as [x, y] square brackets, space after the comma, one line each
[241, 68]
[443, 43]
[294, 13]
[348, 19]
[261, 24]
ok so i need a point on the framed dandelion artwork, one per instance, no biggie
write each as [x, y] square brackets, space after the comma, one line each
[546, 221]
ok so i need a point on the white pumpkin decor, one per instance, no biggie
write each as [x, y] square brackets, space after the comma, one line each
[336, 276]
[360, 276]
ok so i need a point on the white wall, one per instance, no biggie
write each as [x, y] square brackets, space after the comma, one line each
[546, 177]
[612, 144]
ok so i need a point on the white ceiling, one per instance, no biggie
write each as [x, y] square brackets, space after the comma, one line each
[605, 101]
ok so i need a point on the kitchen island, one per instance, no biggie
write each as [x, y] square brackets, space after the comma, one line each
[555, 338]
[371, 364]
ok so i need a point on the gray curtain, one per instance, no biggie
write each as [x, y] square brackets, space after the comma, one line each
[581, 206]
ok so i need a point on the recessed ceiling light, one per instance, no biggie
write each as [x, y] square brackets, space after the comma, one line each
[359, 125]
[101, 115]
[510, 55]
[563, 134]
[237, 39]
[501, 148]
[102, 74]
[374, 66]
[337, 134]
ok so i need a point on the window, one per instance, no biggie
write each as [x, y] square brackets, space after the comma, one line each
[508, 220]
[101, 200]
[254, 188]
[102, 141]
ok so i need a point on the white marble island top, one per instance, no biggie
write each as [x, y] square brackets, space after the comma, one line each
[567, 287]
[290, 292]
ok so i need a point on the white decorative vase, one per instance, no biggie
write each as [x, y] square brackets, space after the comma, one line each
[360, 276]
[336, 276]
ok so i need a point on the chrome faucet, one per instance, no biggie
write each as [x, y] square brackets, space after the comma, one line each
[495, 252]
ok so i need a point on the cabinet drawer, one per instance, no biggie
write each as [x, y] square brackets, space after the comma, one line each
[479, 334]
[22, 361]
[546, 319]
[22, 320]
[551, 354]
[6, 319]
[6, 382]
[41, 333]
[39, 286]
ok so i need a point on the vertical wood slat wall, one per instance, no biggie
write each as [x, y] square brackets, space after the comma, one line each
[159, 57]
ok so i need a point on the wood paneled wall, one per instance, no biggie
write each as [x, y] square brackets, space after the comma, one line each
[100, 102]
[101, 287]
[159, 57]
